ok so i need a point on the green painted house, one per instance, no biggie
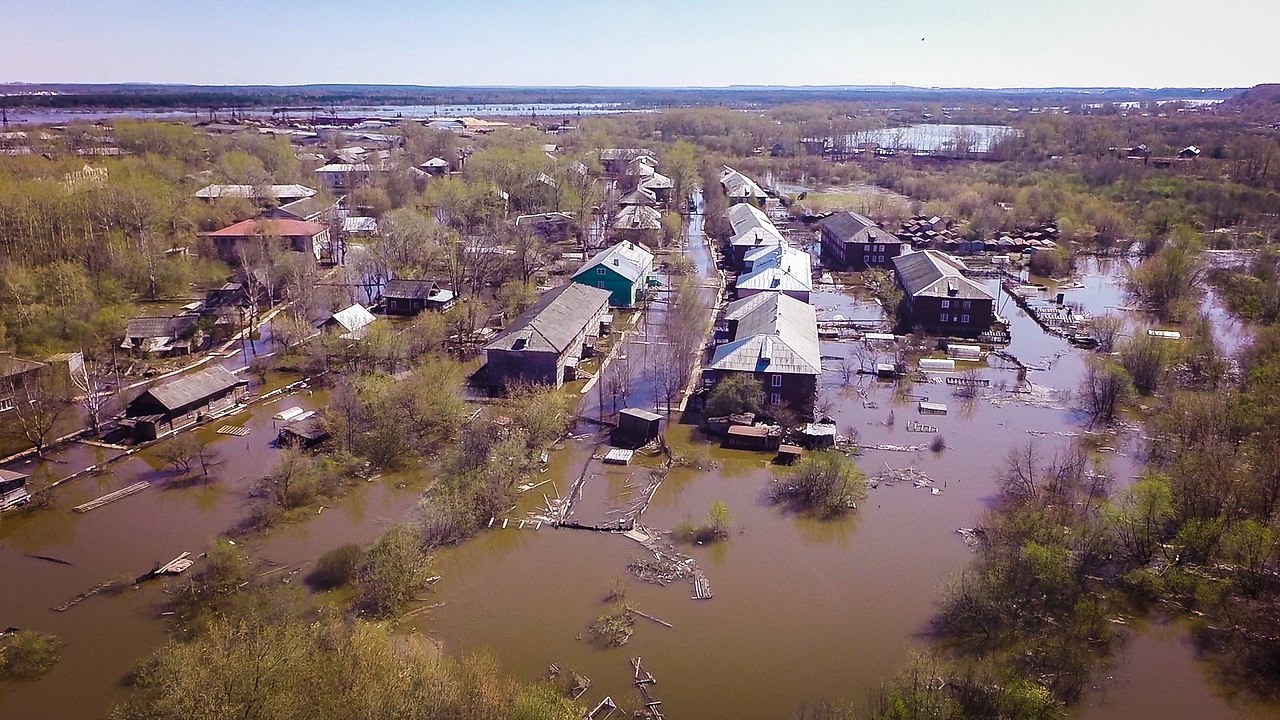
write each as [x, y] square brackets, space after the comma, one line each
[623, 270]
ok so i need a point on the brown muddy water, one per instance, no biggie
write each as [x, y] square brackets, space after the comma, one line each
[804, 611]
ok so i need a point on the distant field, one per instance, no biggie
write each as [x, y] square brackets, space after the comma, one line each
[860, 198]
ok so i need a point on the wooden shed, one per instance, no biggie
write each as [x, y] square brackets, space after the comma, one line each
[752, 437]
[637, 427]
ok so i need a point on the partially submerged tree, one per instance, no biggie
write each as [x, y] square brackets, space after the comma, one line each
[827, 484]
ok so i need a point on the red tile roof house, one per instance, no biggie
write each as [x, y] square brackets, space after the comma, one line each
[296, 235]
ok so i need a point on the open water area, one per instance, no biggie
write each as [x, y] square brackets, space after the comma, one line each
[803, 611]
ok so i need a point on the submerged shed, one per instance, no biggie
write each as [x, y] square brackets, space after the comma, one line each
[637, 427]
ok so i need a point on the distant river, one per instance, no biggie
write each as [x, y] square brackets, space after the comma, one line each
[59, 115]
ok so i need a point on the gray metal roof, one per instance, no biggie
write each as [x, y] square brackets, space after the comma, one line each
[193, 388]
[278, 192]
[778, 334]
[417, 289]
[353, 319]
[628, 259]
[638, 217]
[934, 274]
[751, 227]
[737, 185]
[553, 322]
[781, 268]
[167, 326]
[847, 225]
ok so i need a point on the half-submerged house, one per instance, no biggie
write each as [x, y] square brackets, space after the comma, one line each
[548, 338]
[751, 230]
[182, 401]
[740, 188]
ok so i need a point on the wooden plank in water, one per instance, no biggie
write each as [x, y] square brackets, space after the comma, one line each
[112, 497]
[237, 430]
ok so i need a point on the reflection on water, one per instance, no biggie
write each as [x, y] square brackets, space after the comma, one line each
[803, 610]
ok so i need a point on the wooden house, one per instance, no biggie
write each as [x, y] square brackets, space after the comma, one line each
[549, 337]
[623, 269]
[15, 374]
[296, 235]
[741, 189]
[410, 297]
[852, 241]
[162, 336]
[774, 338]
[940, 298]
[182, 401]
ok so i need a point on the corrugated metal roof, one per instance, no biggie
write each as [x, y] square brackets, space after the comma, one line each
[188, 389]
[737, 185]
[353, 319]
[935, 274]
[278, 192]
[638, 217]
[628, 259]
[778, 335]
[780, 268]
[400, 288]
[163, 326]
[359, 224]
[553, 322]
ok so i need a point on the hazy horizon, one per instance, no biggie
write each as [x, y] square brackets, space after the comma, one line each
[576, 43]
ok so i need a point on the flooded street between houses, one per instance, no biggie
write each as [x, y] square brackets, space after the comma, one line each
[804, 611]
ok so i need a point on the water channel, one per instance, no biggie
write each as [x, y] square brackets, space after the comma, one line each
[804, 611]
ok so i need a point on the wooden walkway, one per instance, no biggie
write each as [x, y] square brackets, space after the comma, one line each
[644, 682]
[237, 430]
[112, 497]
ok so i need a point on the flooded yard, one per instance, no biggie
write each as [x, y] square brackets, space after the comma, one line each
[803, 610]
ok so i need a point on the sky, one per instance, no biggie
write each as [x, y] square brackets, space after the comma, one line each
[655, 43]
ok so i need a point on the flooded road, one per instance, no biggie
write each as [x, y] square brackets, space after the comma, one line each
[804, 611]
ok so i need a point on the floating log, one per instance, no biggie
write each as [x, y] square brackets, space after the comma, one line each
[112, 497]
[46, 558]
[647, 616]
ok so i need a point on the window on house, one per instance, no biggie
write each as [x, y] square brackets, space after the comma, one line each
[6, 403]
[964, 319]
[866, 259]
[943, 317]
[600, 285]
[966, 304]
[777, 381]
[775, 399]
[946, 303]
[599, 271]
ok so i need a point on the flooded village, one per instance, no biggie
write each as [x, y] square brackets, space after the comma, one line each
[584, 378]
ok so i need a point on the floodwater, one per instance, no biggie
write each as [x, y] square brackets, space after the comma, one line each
[42, 116]
[939, 137]
[803, 610]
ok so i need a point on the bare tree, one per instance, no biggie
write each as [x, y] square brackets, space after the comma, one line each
[39, 403]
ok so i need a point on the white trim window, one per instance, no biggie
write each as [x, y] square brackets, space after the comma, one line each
[777, 381]
[599, 271]
[943, 317]
[964, 319]
[775, 399]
